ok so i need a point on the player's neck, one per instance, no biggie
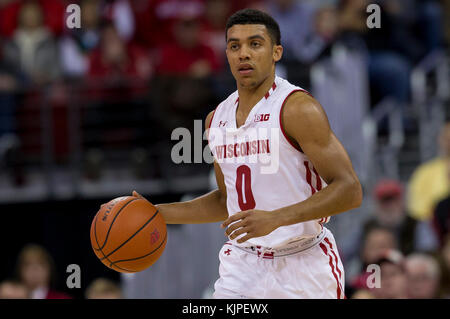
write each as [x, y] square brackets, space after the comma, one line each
[249, 96]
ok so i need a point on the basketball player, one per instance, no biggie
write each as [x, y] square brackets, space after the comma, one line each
[278, 246]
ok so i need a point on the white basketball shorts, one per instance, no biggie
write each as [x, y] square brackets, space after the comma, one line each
[312, 273]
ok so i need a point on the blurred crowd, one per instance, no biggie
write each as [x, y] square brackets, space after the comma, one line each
[143, 38]
[172, 53]
[407, 235]
[35, 277]
[169, 55]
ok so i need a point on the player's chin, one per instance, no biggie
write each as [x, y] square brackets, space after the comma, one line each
[246, 81]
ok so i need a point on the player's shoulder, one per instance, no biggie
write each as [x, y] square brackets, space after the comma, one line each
[303, 115]
[289, 93]
[300, 104]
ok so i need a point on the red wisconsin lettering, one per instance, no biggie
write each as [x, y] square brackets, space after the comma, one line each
[219, 150]
[230, 150]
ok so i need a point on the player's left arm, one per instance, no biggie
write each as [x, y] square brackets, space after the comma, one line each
[306, 124]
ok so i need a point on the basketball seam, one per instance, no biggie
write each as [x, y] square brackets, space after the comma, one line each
[127, 270]
[114, 219]
[96, 240]
[131, 237]
[148, 254]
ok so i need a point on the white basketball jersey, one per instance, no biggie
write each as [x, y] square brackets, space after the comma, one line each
[261, 167]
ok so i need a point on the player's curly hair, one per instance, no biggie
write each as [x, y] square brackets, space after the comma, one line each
[252, 16]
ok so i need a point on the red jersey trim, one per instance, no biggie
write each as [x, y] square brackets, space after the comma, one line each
[212, 118]
[274, 86]
[209, 126]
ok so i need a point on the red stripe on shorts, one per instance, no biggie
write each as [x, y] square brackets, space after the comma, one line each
[325, 250]
[335, 257]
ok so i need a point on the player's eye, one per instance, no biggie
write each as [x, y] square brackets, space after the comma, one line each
[255, 44]
[234, 46]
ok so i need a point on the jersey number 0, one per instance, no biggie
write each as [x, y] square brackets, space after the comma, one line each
[244, 188]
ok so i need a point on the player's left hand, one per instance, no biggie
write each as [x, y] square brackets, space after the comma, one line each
[255, 223]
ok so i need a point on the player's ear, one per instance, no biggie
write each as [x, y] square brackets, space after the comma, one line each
[277, 52]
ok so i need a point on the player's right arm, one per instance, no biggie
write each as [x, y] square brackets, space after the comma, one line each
[208, 208]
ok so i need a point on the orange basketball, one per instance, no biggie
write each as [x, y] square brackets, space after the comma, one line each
[128, 234]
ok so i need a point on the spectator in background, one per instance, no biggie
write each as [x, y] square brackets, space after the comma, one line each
[423, 276]
[78, 43]
[115, 61]
[301, 40]
[393, 280]
[187, 55]
[32, 48]
[308, 31]
[393, 283]
[429, 182]
[392, 49]
[53, 15]
[376, 241]
[184, 76]
[213, 24]
[36, 270]
[160, 15]
[390, 214]
[13, 289]
[397, 34]
[103, 288]
[412, 235]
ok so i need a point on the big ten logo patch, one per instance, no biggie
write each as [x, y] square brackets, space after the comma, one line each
[154, 236]
[262, 117]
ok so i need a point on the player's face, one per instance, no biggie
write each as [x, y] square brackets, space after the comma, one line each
[251, 54]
